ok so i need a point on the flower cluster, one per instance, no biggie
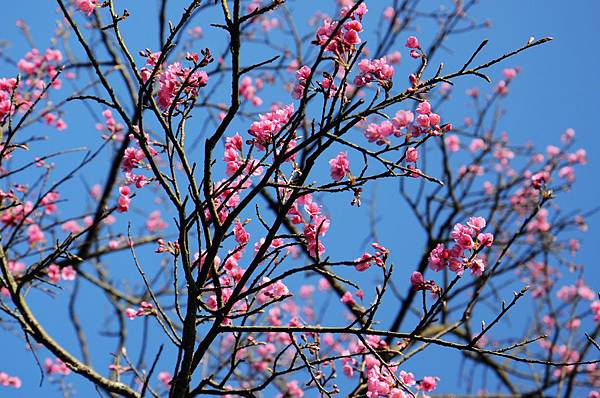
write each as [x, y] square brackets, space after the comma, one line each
[302, 76]
[342, 40]
[176, 83]
[55, 273]
[38, 70]
[266, 129]
[35, 234]
[381, 382]
[9, 381]
[16, 212]
[367, 260]
[169, 247]
[248, 90]
[265, 22]
[234, 159]
[37, 66]
[468, 241]
[154, 222]
[415, 48]
[110, 125]
[124, 199]
[509, 75]
[7, 90]
[134, 158]
[272, 291]
[317, 223]
[375, 70]
[404, 123]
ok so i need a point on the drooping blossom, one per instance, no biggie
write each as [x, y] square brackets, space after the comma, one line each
[87, 6]
[339, 166]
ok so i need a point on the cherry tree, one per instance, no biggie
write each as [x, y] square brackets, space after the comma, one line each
[189, 248]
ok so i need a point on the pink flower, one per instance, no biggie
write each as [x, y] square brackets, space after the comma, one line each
[501, 88]
[424, 108]
[438, 257]
[403, 119]
[428, 384]
[53, 272]
[407, 378]
[477, 223]
[87, 6]
[389, 13]
[417, 280]
[363, 263]
[154, 222]
[273, 291]
[477, 144]
[57, 367]
[61, 125]
[463, 236]
[35, 234]
[568, 135]
[241, 236]
[339, 166]
[573, 323]
[412, 42]
[347, 298]
[294, 390]
[351, 37]
[360, 11]
[510, 73]
[423, 121]
[412, 154]
[348, 370]
[473, 92]
[477, 267]
[595, 307]
[552, 150]
[49, 202]
[303, 73]
[453, 143]
[394, 58]
[130, 313]
[165, 378]
[68, 273]
[485, 239]
[567, 173]
[548, 321]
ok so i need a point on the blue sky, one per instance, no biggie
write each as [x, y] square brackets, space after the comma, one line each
[557, 88]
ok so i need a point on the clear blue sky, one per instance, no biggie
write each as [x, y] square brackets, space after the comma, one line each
[558, 88]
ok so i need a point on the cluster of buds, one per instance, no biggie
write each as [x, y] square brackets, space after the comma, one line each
[168, 247]
[367, 260]
[144, 309]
